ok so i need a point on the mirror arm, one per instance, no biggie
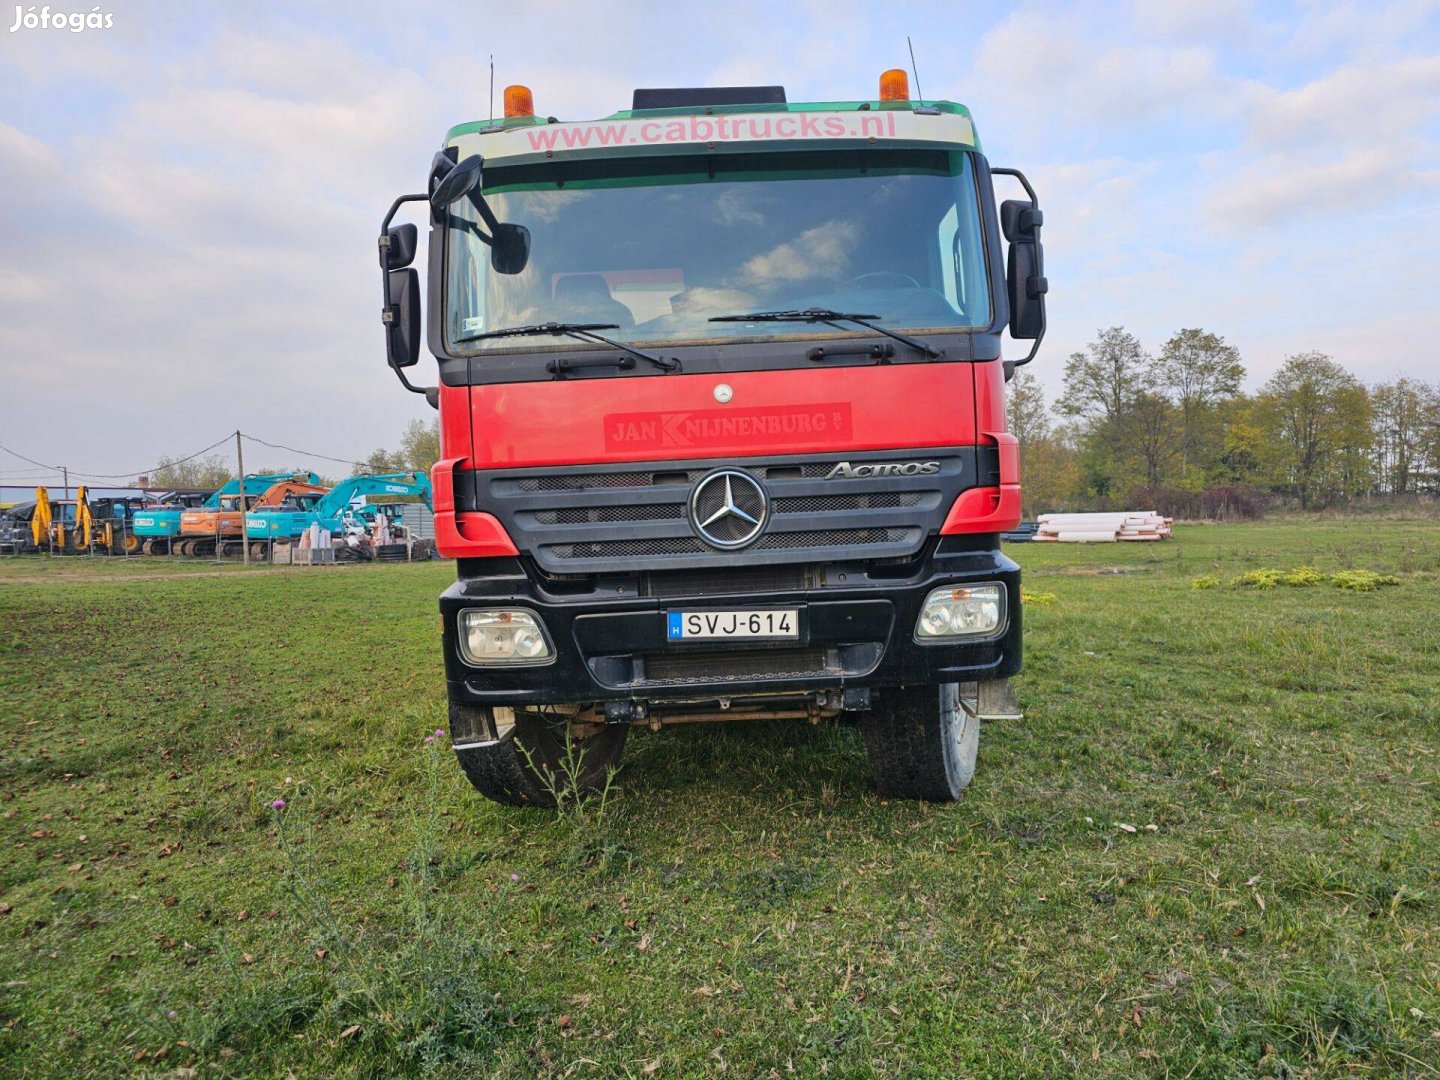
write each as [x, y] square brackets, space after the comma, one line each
[1018, 175]
[387, 315]
[1010, 366]
[395, 207]
[483, 208]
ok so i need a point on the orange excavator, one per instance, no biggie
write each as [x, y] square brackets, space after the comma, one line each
[222, 529]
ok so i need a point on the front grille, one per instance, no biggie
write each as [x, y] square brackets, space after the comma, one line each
[830, 504]
[836, 538]
[624, 549]
[582, 481]
[719, 667]
[760, 579]
[621, 518]
[583, 515]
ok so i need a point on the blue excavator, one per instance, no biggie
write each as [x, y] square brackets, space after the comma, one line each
[158, 527]
[350, 507]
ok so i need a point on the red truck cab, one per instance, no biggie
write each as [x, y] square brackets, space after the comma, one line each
[723, 430]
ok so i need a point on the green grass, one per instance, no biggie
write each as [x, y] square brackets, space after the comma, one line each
[746, 905]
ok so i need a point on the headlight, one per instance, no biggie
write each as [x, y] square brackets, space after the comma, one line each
[503, 636]
[969, 611]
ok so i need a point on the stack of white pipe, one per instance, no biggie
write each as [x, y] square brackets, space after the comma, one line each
[1102, 528]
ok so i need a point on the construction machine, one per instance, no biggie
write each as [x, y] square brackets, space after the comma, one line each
[337, 512]
[158, 525]
[222, 528]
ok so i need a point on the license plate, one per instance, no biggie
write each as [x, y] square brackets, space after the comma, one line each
[710, 625]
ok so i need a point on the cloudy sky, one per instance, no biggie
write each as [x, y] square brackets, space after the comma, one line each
[189, 199]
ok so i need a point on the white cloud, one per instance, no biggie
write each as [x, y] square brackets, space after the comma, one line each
[1337, 144]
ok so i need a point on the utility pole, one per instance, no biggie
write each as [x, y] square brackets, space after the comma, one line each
[244, 532]
[66, 470]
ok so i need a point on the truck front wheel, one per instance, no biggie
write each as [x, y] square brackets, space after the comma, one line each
[536, 759]
[923, 740]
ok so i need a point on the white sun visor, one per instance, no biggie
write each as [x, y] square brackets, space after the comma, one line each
[734, 133]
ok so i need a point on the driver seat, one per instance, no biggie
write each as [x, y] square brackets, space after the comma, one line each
[587, 298]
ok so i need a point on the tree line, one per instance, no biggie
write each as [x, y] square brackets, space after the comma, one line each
[419, 450]
[1174, 430]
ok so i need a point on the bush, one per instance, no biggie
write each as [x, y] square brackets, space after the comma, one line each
[1226, 502]
[1233, 502]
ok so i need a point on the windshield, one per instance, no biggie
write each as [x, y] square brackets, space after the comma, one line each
[894, 234]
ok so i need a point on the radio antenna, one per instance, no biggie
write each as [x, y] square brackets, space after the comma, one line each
[492, 84]
[915, 70]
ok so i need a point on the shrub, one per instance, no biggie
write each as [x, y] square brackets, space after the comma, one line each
[1362, 580]
[1258, 579]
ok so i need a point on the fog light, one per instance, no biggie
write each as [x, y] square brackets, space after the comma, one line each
[503, 636]
[970, 611]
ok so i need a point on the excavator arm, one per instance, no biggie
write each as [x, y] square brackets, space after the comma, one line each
[276, 494]
[416, 484]
[42, 518]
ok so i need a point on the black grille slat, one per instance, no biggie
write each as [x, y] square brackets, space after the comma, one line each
[827, 504]
[620, 517]
[782, 541]
[674, 583]
[735, 666]
[584, 515]
[626, 549]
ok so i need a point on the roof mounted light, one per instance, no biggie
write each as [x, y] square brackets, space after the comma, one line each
[894, 85]
[519, 102]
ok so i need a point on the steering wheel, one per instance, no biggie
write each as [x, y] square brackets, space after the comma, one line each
[883, 279]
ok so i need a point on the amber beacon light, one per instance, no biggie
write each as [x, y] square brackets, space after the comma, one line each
[894, 85]
[518, 101]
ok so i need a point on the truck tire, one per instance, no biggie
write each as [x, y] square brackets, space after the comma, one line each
[921, 742]
[503, 772]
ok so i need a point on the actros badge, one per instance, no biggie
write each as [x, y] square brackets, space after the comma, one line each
[846, 471]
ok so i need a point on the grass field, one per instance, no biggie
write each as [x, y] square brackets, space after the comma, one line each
[1212, 848]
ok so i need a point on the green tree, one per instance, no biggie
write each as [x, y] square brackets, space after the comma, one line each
[207, 473]
[1401, 414]
[1026, 415]
[1318, 418]
[421, 444]
[418, 452]
[1199, 370]
[1101, 382]
[1242, 442]
[1149, 436]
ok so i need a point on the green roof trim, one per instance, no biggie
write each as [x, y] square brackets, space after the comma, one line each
[477, 126]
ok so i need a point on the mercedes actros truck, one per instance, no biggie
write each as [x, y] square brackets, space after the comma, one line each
[723, 432]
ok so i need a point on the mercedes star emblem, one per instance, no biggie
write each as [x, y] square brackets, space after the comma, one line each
[729, 508]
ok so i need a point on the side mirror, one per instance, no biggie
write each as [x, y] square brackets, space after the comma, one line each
[509, 244]
[397, 247]
[457, 183]
[402, 317]
[510, 249]
[1020, 221]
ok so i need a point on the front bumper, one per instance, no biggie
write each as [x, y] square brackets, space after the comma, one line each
[856, 631]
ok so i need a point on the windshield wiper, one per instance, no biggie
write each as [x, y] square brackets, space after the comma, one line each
[580, 332]
[832, 318]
